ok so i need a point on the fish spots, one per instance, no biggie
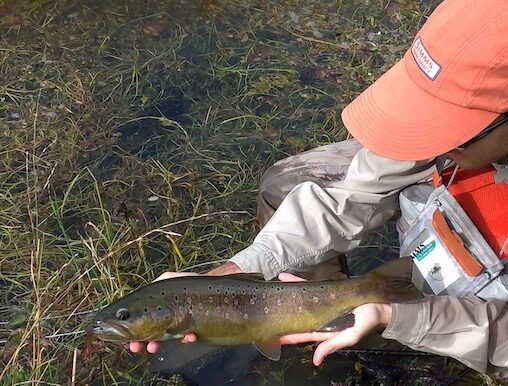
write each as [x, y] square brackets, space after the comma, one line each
[226, 300]
[226, 315]
[209, 288]
[218, 309]
[163, 293]
[267, 310]
[160, 310]
[210, 299]
[315, 299]
[279, 302]
[146, 310]
[252, 301]
[200, 306]
[207, 312]
[264, 295]
[189, 300]
[293, 295]
[176, 298]
[333, 296]
[245, 316]
[235, 302]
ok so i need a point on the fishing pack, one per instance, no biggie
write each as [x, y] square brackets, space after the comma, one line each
[457, 253]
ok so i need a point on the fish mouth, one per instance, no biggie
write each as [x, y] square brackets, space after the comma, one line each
[111, 332]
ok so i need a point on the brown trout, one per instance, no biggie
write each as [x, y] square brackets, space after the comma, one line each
[242, 308]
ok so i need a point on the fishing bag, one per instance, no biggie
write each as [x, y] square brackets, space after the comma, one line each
[457, 253]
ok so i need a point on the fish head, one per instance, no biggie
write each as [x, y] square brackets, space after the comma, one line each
[137, 317]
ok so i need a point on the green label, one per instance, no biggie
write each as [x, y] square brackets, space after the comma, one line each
[423, 250]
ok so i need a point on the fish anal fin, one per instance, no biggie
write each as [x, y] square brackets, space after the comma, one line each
[338, 324]
[270, 349]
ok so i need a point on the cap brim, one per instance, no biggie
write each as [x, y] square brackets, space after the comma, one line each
[396, 119]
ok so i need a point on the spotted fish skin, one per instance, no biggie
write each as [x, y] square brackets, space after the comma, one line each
[239, 309]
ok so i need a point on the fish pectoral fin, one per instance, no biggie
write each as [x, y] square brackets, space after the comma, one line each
[338, 324]
[173, 354]
[270, 349]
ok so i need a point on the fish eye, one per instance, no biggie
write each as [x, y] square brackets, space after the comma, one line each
[122, 314]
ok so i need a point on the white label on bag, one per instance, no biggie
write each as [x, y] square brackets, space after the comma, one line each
[435, 265]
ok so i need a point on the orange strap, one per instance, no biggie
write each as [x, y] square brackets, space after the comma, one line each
[455, 245]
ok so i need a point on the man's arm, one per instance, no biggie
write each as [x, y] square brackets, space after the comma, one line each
[313, 223]
[470, 330]
[224, 269]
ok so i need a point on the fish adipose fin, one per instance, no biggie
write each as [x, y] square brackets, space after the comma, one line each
[341, 323]
[270, 349]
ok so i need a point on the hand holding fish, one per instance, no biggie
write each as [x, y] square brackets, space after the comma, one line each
[243, 308]
[368, 318]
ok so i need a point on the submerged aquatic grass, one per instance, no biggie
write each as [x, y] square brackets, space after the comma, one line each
[132, 139]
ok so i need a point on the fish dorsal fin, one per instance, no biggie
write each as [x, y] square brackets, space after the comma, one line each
[395, 272]
[343, 322]
[248, 276]
[396, 275]
[270, 349]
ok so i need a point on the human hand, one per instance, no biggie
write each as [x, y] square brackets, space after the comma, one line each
[153, 346]
[467, 159]
[484, 151]
[368, 318]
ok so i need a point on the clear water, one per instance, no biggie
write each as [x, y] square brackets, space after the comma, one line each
[121, 117]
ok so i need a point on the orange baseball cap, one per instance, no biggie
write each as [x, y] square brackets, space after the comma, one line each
[450, 85]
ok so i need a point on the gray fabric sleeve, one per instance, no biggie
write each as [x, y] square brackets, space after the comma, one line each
[314, 223]
[470, 330]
